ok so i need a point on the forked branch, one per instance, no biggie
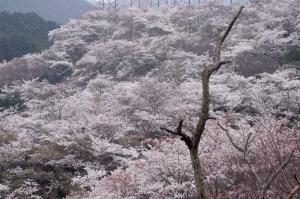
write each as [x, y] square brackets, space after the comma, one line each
[217, 58]
[207, 72]
[187, 139]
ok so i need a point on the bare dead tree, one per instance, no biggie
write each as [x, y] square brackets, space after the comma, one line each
[192, 141]
[266, 184]
[296, 189]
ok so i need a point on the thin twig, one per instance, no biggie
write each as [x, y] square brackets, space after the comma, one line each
[296, 189]
[270, 179]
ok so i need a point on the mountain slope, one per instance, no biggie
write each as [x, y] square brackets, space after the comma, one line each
[82, 119]
[23, 33]
[55, 10]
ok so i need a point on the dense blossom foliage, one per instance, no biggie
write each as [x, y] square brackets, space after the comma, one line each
[82, 119]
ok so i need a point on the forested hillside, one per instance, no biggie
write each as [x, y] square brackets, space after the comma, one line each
[85, 118]
[23, 33]
[60, 11]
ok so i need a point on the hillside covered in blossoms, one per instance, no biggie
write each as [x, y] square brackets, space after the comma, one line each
[86, 117]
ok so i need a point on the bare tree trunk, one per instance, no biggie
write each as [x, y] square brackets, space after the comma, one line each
[198, 173]
[158, 3]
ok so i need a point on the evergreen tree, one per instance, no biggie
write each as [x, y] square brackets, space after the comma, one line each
[23, 33]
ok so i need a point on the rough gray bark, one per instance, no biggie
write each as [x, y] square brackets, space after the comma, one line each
[193, 141]
[198, 173]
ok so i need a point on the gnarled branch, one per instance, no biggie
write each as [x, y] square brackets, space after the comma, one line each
[217, 66]
[187, 139]
[234, 144]
[231, 25]
[217, 58]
